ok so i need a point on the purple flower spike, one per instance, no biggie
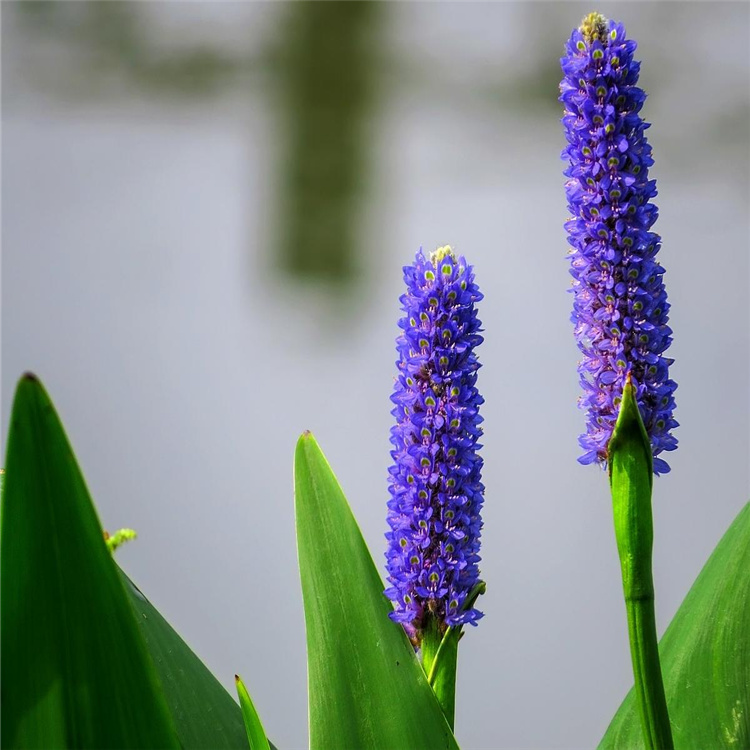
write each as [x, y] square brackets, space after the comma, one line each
[435, 487]
[620, 310]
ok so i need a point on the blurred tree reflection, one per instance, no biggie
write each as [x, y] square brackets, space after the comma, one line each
[115, 37]
[327, 85]
[322, 72]
[330, 68]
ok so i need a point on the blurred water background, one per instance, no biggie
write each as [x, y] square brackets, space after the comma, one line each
[206, 207]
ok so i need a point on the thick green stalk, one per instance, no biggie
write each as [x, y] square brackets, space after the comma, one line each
[440, 656]
[631, 479]
[439, 660]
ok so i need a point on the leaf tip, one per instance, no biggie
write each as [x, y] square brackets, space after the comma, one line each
[629, 427]
[30, 387]
[305, 442]
[306, 437]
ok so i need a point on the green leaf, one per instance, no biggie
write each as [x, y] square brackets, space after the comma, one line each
[75, 670]
[256, 735]
[705, 657]
[204, 713]
[366, 687]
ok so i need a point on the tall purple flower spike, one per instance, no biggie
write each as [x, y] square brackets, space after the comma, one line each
[620, 310]
[436, 492]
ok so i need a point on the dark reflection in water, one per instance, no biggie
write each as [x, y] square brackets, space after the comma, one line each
[330, 68]
[327, 76]
[114, 38]
[321, 73]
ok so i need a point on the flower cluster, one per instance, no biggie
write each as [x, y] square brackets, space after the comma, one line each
[435, 487]
[620, 310]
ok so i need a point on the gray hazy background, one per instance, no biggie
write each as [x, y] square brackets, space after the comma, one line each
[206, 210]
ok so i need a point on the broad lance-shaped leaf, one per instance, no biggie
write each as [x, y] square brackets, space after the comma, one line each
[204, 713]
[366, 687]
[705, 657]
[75, 670]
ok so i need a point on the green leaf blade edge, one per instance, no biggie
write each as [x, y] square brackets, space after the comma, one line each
[366, 687]
[204, 713]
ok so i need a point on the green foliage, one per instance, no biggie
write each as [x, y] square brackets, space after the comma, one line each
[631, 479]
[75, 669]
[256, 735]
[705, 656]
[366, 687]
[87, 661]
[204, 713]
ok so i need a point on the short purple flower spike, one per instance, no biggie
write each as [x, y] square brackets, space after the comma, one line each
[620, 310]
[435, 487]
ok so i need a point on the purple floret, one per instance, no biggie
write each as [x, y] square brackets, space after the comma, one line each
[436, 492]
[620, 311]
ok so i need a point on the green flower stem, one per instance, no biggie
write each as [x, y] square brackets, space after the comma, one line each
[631, 479]
[439, 659]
